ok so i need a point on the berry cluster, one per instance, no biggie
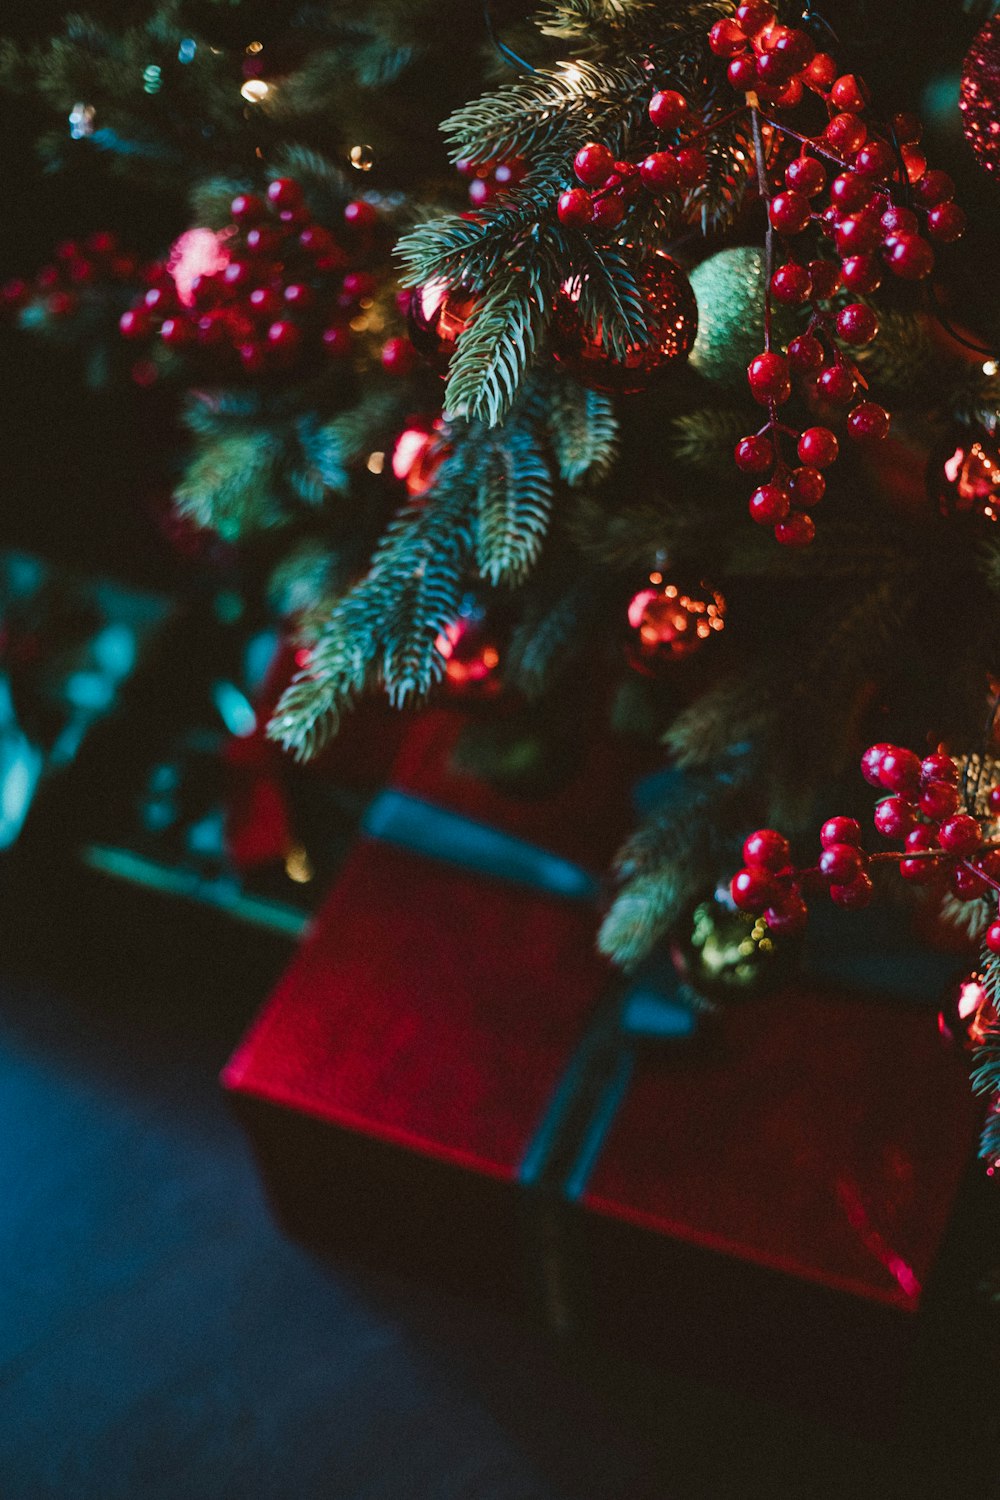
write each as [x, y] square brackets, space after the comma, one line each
[281, 293]
[612, 183]
[858, 186]
[56, 288]
[923, 809]
[488, 178]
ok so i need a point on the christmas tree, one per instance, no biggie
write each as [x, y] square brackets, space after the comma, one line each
[596, 356]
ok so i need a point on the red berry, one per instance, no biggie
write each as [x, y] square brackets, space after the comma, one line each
[575, 207]
[921, 840]
[284, 336]
[337, 340]
[908, 129]
[608, 212]
[910, 257]
[754, 455]
[806, 175]
[284, 193]
[915, 162]
[660, 172]
[846, 134]
[360, 214]
[252, 357]
[788, 917]
[794, 44]
[593, 164]
[298, 295]
[315, 240]
[264, 302]
[135, 323]
[726, 39]
[769, 503]
[753, 15]
[862, 273]
[821, 72]
[160, 299]
[868, 422]
[262, 240]
[807, 487]
[767, 849]
[769, 378]
[857, 324]
[875, 159]
[840, 830]
[840, 863]
[837, 384]
[947, 223]
[247, 208]
[858, 233]
[960, 834]
[825, 276]
[850, 192]
[966, 884]
[939, 799]
[789, 212]
[238, 275]
[871, 762]
[668, 109]
[692, 164]
[798, 531]
[176, 331]
[933, 188]
[752, 890]
[818, 447]
[742, 72]
[399, 356]
[938, 767]
[774, 71]
[358, 286]
[992, 938]
[894, 817]
[805, 354]
[854, 896]
[899, 220]
[899, 770]
[481, 191]
[850, 93]
[791, 285]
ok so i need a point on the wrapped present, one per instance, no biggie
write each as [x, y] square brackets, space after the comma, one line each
[448, 1082]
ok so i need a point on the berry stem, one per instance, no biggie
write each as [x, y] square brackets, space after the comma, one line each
[765, 193]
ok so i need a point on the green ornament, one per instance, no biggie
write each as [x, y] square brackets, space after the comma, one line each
[729, 288]
[723, 953]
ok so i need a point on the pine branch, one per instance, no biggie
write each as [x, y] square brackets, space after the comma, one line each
[584, 431]
[513, 505]
[496, 348]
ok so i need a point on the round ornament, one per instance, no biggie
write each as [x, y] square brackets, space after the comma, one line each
[967, 1013]
[417, 456]
[471, 655]
[672, 313]
[979, 96]
[438, 316]
[963, 476]
[729, 288]
[669, 621]
[724, 953]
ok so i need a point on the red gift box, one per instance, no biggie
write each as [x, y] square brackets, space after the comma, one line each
[395, 1080]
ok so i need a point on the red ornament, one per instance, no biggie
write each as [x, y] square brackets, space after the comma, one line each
[669, 621]
[964, 478]
[672, 312]
[417, 456]
[967, 1015]
[438, 317]
[471, 655]
[979, 97]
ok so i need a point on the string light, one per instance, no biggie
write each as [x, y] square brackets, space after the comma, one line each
[255, 90]
[990, 367]
[255, 47]
[152, 80]
[298, 866]
[362, 158]
[376, 463]
[81, 121]
[187, 49]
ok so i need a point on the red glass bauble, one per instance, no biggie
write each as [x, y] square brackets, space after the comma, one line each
[471, 655]
[672, 312]
[979, 98]
[417, 457]
[963, 477]
[669, 621]
[967, 1013]
[438, 316]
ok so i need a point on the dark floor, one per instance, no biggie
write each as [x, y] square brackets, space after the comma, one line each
[160, 1338]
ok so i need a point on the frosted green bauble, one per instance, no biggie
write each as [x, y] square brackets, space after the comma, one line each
[730, 291]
